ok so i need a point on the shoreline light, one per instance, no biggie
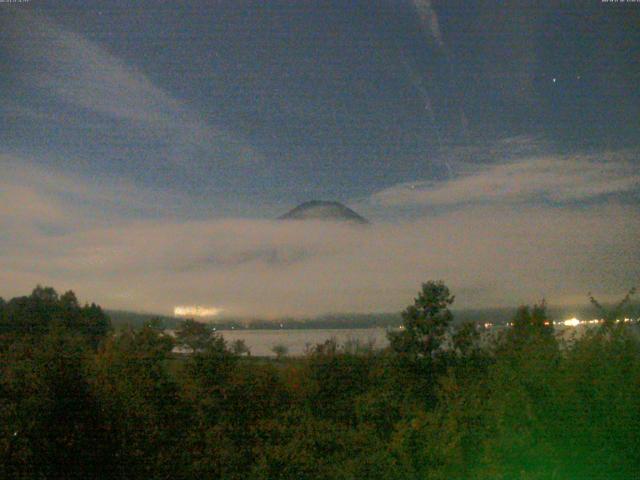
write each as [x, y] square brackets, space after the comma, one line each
[195, 311]
[572, 322]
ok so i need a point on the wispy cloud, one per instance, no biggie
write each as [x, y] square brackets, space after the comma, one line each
[35, 198]
[429, 20]
[83, 74]
[553, 178]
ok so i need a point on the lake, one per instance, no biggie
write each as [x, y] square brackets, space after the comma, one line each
[260, 342]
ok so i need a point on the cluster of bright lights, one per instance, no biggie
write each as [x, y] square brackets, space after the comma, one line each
[572, 322]
[196, 311]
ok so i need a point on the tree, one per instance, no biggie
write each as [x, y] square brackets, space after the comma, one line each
[195, 335]
[68, 300]
[48, 414]
[44, 294]
[425, 322]
[95, 324]
[280, 350]
[231, 399]
[44, 311]
[334, 379]
[239, 347]
[466, 339]
[611, 315]
[146, 419]
[155, 323]
[530, 321]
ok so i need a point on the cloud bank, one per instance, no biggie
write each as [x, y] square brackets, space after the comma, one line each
[491, 253]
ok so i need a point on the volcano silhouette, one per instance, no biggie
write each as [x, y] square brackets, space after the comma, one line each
[323, 210]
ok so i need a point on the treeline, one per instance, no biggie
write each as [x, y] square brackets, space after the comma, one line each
[45, 311]
[121, 318]
[523, 407]
[497, 316]
[335, 321]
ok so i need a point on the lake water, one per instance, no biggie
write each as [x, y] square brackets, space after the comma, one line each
[261, 342]
[298, 341]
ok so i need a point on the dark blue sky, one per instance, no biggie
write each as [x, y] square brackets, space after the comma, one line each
[461, 129]
[319, 99]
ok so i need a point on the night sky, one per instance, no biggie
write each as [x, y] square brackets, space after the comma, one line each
[146, 148]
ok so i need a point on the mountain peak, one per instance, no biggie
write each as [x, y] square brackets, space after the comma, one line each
[323, 210]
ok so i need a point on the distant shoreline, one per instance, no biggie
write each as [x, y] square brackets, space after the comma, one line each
[496, 316]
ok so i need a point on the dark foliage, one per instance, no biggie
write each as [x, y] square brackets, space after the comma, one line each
[44, 310]
[441, 403]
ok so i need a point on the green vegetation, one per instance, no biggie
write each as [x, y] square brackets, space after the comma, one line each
[280, 351]
[44, 311]
[80, 401]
